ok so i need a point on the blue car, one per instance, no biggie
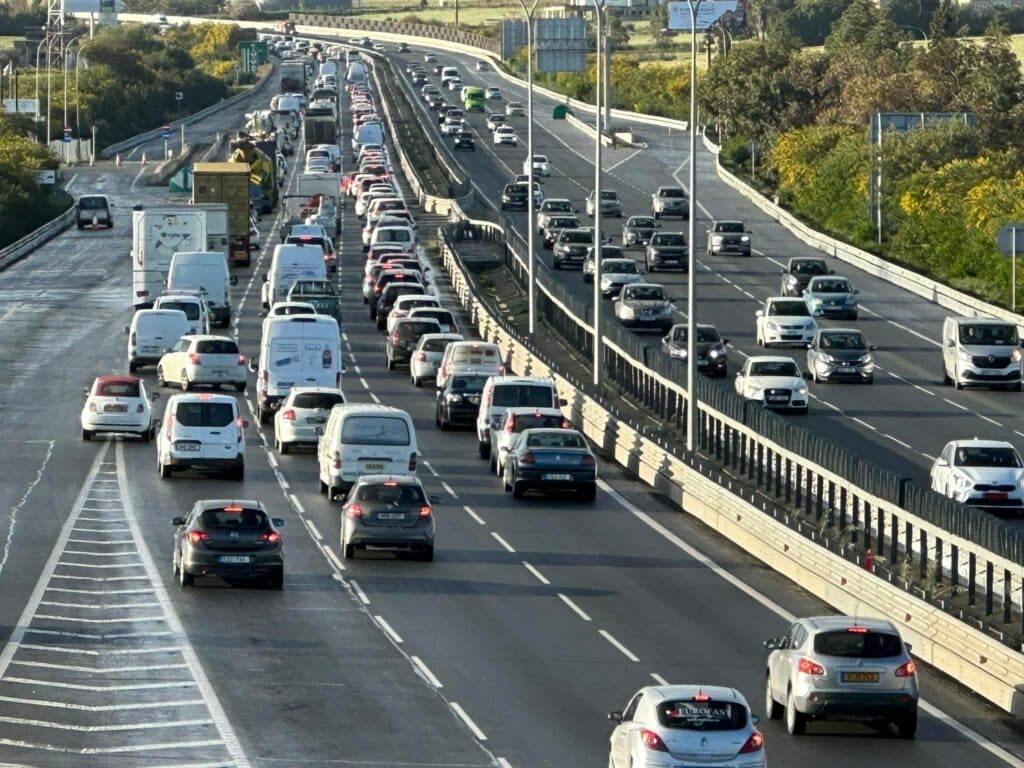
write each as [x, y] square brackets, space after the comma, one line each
[831, 296]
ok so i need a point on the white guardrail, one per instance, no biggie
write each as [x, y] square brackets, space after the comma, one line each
[19, 249]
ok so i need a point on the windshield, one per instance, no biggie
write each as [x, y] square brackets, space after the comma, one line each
[557, 206]
[857, 643]
[522, 395]
[780, 368]
[191, 309]
[609, 194]
[317, 400]
[988, 456]
[788, 309]
[234, 519]
[390, 493]
[830, 286]
[620, 267]
[313, 288]
[375, 430]
[986, 333]
[640, 223]
[435, 345]
[555, 439]
[443, 316]
[808, 268]
[645, 293]
[704, 335]
[198, 414]
[557, 223]
[217, 347]
[92, 203]
[706, 715]
[734, 227]
[575, 236]
[836, 340]
[672, 193]
[118, 389]
[469, 384]
[665, 238]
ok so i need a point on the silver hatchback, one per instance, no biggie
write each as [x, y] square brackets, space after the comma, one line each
[841, 668]
[426, 357]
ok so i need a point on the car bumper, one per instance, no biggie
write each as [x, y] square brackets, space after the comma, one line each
[795, 403]
[786, 338]
[220, 315]
[463, 414]
[399, 355]
[413, 538]
[203, 563]
[571, 259]
[844, 310]
[182, 460]
[727, 248]
[662, 324]
[287, 432]
[423, 370]
[675, 210]
[837, 372]
[716, 367]
[983, 376]
[541, 479]
[844, 705]
[663, 261]
[514, 205]
[98, 423]
[196, 375]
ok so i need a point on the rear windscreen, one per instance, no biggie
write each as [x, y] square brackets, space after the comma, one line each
[475, 356]
[191, 310]
[375, 430]
[858, 645]
[204, 414]
[234, 519]
[533, 421]
[324, 400]
[512, 395]
[217, 347]
[416, 329]
[436, 345]
[92, 203]
[702, 715]
[118, 389]
[397, 494]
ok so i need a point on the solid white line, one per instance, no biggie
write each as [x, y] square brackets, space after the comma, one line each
[630, 156]
[100, 607]
[373, 396]
[16, 508]
[313, 530]
[474, 515]
[297, 504]
[388, 629]
[468, 721]
[535, 572]
[112, 542]
[114, 750]
[579, 611]
[102, 728]
[451, 491]
[359, 592]
[625, 651]
[430, 467]
[864, 424]
[425, 670]
[96, 669]
[897, 441]
[104, 707]
[501, 541]
[911, 331]
[955, 404]
[329, 554]
[107, 688]
[124, 553]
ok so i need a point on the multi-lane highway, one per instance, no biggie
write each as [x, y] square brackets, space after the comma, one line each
[902, 422]
[536, 618]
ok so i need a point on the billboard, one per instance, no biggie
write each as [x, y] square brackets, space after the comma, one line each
[708, 12]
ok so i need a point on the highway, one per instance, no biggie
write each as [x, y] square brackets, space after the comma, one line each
[536, 618]
[901, 423]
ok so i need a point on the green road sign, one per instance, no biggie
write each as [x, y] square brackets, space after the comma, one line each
[251, 54]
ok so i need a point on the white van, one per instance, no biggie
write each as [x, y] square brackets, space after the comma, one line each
[503, 392]
[981, 351]
[367, 133]
[201, 431]
[404, 236]
[365, 439]
[191, 304]
[470, 357]
[152, 334]
[291, 263]
[450, 73]
[207, 272]
[295, 351]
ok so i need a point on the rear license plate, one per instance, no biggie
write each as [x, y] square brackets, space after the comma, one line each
[116, 409]
[373, 467]
[235, 559]
[995, 496]
[315, 419]
[557, 477]
[391, 516]
[860, 677]
[219, 374]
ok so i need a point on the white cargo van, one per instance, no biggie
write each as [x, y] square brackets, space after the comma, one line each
[152, 334]
[367, 133]
[201, 431]
[206, 272]
[365, 439]
[295, 351]
[191, 304]
[291, 263]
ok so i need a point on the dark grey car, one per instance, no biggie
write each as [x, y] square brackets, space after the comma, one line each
[840, 353]
[637, 231]
[403, 339]
[570, 248]
[667, 250]
[798, 274]
[387, 512]
[712, 353]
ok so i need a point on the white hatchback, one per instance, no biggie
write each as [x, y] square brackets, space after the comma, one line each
[775, 382]
[302, 414]
[202, 359]
[426, 356]
[988, 474]
[118, 404]
[405, 304]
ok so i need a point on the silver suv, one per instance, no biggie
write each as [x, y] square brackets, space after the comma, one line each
[841, 668]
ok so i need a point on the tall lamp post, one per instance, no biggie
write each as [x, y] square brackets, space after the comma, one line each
[599, 7]
[39, 50]
[64, 83]
[531, 214]
[691, 293]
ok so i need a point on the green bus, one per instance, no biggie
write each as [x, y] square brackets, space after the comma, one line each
[473, 99]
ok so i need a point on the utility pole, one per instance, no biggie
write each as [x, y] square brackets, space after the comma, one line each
[598, 336]
[691, 278]
[531, 213]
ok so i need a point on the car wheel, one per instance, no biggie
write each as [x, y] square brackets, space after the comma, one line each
[443, 423]
[132, 367]
[494, 461]
[160, 380]
[323, 486]
[556, 264]
[657, 215]
[240, 386]
[165, 470]
[276, 579]
[906, 726]
[814, 375]
[238, 473]
[147, 435]
[428, 554]
[588, 278]
[349, 551]
[389, 363]
[650, 267]
[332, 491]
[483, 449]
[262, 414]
[185, 579]
[853, 315]
[518, 490]
[589, 493]
[416, 381]
[772, 708]
[957, 381]
[185, 384]
[283, 447]
[945, 377]
[796, 721]
[759, 341]
[87, 435]
[870, 379]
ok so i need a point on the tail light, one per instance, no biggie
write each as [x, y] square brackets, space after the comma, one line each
[266, 379]
[92, 407]
[652, 741]
[195, 537]
[808, 667]
[425, 511]
[354, 510]
[140, 408]
[336, 460]
[394, 337]
[195, 358]
[271, 537]
[510, 425]
[907, 669]
[412, 462]
[376, 289]
[421, 357]
[587, 461]
[566, 424]
[169, 422]
[241, 360]
[455, 328]
[528, 458]
[288, 415]
[240, 423]
[754, 744]
[142, 293]
[501, 369]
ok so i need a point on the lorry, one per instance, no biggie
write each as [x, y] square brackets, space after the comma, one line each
[226, 183]
[293, 76]
[320, 125]
[262, 168]
[158, 232]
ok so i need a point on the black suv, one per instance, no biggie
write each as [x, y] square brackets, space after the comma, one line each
[459, 401]
[515, 197]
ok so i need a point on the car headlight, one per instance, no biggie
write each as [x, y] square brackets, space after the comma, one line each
[1016, 355]
[864, 360]
[825, 358]
[756, 389]
[744, 239]
[716, 240]
[963, 483]
[714, 353]
[801, 389]
[628, 310]
[454, 398]
[808, 324]
[666, 310]
[965, 356]
[772, 325]
[680, 352]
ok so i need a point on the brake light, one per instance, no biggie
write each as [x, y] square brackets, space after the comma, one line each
[195, 537]
[336, 460]
[454, 328]
[241, 360]
[412, 462]
[354, 510]
[271, 537]
[376, 289]
[501, 369]
[195, 358]
[652, 741]
[510, 425]
[754, 743]
[528, 458]
[421, 357]
[425, 511]
[702, 697]
[587, 461]
[907, 669]
[232, 509]
[858, 630]
[808, 667]
[288, 415]
[566, 424]
[394, 337]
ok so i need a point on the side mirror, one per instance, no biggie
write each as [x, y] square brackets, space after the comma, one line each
[177, 521]
[755, 719]
[615, 717]
[759, 313]
[85, 391]
[615, 298]
[126, 330]
[725, 341]
[909, 647]
[950, 343]
[266, 278]
[782, 271]
[665, 339]
[157, 423]
[435, 499]
[318, 431]
[233, 280]
[856, 291]
[941, 463]
[810, 345]
[278, 522]
[739, 374]
[831, 271]
[154, 396]
[771, 643]
[254, 364]
[872, 347]
[562, 402]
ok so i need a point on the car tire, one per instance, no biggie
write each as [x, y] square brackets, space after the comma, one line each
[240, 386]
[322, 487]
[283, 447]
[588, 278]
[132, 366]
[416, 381]
[263, 415]
[160, 380]
[945, 377]
[184, 382]
[389, 363]
[772, 709]
[956, 382]
[853, 316]
[870, 379]
[427, 555]
[349, 551]
[494, 462]
[517, 490]
[759, 341]
[87, 435]
[185, 579]
[589, 493]
[238, 473]
[796, 721]
[276, 580]
[443, 423]
[483, 449]
[657, 215]
[556, 264]
[165, 470]
[147, 435]
[906, 726]
[649, 267]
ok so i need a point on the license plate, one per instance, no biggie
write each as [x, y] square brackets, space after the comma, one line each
[391, 516]
[995, 496]
[315, 419]
[188, 447]
[558, 477]
[116, 409]
[846, 369]
[235, 559]
[374, 467]
[219, 374]
[989, 373]
[860, 677]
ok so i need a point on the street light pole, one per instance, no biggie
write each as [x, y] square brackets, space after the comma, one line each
[531, 214]
[49, 50]
[598, 336]
[39, 50]
[691, 292]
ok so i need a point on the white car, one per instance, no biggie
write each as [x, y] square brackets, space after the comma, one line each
[514, 108]
[541, 165]
[981, 473]
[118, 404]
[192, 304]
[644, 306]
[426, 356]
[202, 431]
[406, 304]
[511, 425]
[785, 321]
[494, 120]
[202, 359]
[676, 725]
[775, 382]
[302, 413]
[482, 66]
[455, 85]
[492, 93]
[505, 135]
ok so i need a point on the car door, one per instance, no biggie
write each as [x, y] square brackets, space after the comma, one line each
[813, 351]
[741, 379]
[941, 474]
[780, 663]
[620, 736]
[949, 350]
[173, 362]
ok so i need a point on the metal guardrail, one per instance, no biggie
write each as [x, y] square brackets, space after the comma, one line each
[19, 249]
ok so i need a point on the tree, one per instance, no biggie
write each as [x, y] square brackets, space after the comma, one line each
[944, 23]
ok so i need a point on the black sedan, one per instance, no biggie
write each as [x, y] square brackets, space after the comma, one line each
[515, 197]
[546, 460]
[228, 538]
[464, 141]
[387, 512]
[712, 354]
[459, 401]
